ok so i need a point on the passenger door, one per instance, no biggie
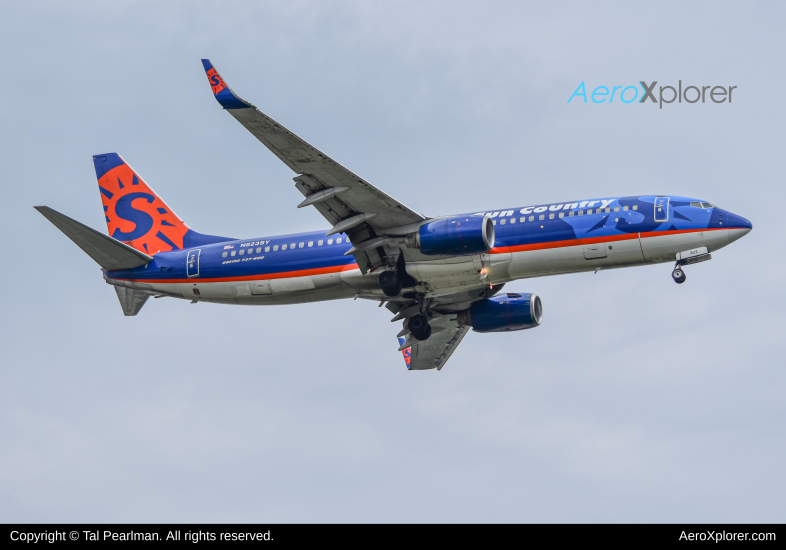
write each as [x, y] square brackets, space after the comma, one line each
[192, 263]
[661, 209]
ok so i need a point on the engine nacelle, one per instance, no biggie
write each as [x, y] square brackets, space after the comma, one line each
[503, 313]
[457, 235]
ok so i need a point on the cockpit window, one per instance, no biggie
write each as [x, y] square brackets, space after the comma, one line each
[702, 204]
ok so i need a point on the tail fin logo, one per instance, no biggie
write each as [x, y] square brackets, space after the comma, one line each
[134, 213]
[216, 82]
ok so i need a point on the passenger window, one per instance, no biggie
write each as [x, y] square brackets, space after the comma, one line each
[233, 253]
[532, 218]
[502, 221]
[522, 219]
[242, 251]
[562, 214]
[292, 246]
[319, 243]
[608, 210]
[581, 212]
[283, 247]
[267, 249]
[512, 220]
[551, 216]
[310, 244]
[616, 208]
[275, 248]
[330, 241]
[224, 255]
[571, 213]
[494, 222]
[635, 206]
[625, 208]
[338, 241]
[301, 245]
[542, 217]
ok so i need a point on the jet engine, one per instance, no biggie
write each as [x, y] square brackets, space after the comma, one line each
[456, 235]
[503, 313]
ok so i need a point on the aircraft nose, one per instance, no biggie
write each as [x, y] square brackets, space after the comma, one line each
[738, 226]
[739, 222]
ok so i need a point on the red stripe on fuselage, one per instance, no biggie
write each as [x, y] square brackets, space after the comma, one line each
[267, 276]
[595, 240]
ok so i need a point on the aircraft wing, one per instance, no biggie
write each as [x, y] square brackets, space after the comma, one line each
[434, 352]
[351, 204]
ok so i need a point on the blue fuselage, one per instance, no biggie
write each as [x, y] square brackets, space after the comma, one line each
[645, 229]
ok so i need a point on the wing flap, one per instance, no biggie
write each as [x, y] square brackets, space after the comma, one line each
[434, 352]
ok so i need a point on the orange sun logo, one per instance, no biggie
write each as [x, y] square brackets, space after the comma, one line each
[216, 81]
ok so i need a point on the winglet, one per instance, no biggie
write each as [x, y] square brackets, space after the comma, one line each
[224, 94]
[407, 352]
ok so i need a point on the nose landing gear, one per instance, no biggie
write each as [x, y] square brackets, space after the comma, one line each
[678, 275]
[689, 257]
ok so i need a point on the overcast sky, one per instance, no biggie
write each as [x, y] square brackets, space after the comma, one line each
[636, 400]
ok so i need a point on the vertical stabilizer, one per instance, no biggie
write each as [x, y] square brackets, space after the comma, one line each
[134, 213]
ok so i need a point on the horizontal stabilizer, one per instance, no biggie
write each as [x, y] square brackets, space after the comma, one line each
[109, 253]
[131, 300]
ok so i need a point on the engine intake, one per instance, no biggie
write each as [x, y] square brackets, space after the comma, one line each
[503, 313]
[456, 235]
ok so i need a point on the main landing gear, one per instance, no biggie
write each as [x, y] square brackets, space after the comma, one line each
[419, 327]
[678, 274]
[389, 283]
[392, 282]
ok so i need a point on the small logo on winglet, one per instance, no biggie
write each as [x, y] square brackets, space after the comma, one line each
[216, 82]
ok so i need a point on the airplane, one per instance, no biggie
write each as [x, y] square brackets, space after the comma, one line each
[439, 276]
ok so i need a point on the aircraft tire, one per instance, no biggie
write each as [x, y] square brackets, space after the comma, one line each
[389, 282]
[679, 276]
[395, 291]
[419, 327]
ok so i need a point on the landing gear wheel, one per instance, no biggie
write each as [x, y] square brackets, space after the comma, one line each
[389, 283]
[419, 327]
[679, 276]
